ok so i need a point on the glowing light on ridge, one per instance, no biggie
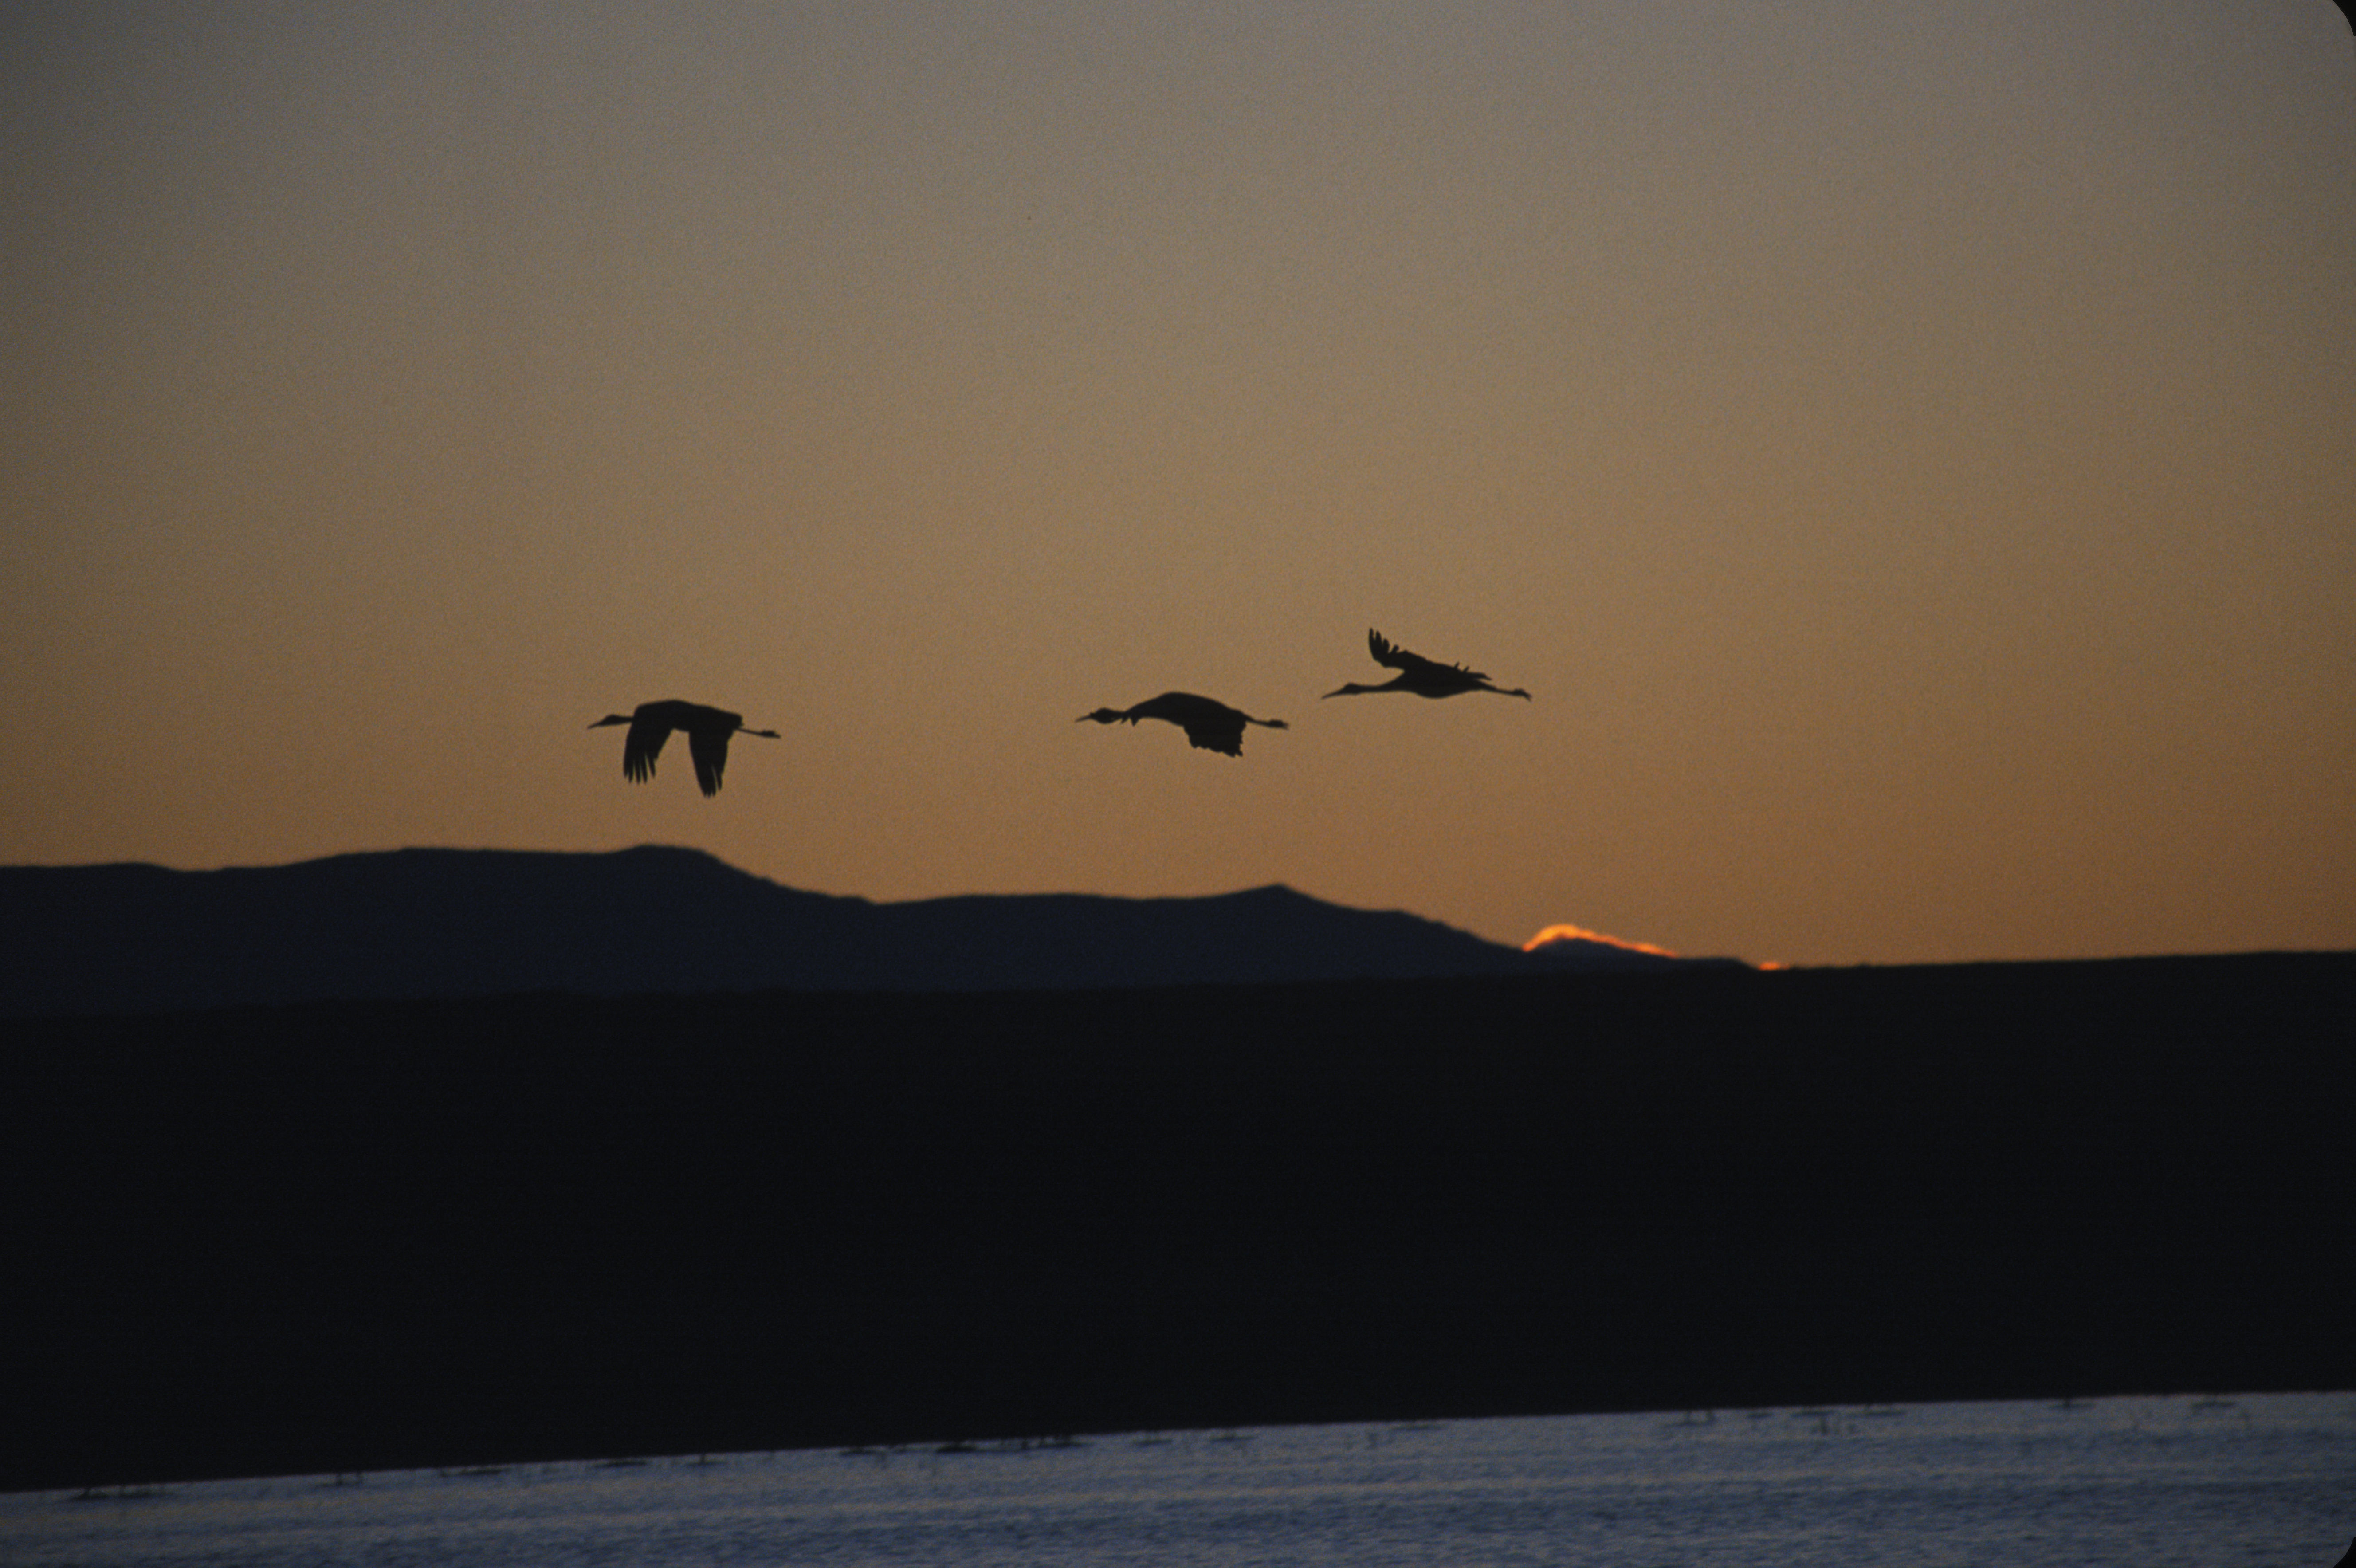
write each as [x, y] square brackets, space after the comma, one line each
[1581, 934]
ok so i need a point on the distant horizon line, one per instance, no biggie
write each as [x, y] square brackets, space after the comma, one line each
[1550, 933]
[1558, 931]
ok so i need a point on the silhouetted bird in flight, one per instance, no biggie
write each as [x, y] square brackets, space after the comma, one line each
[1424, 677]
[708, 730]
[1213, 726]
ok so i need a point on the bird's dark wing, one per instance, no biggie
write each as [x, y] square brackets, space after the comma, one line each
[1391, 656]
[641, 746]
[1181, 708]
[1210, 725]
[710, 749]
[1213, 736]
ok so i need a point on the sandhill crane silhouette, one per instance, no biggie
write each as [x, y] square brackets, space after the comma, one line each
[1213, 726]
[1424, 677]
[708, 730]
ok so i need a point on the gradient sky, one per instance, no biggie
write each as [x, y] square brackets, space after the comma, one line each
[1906, 449]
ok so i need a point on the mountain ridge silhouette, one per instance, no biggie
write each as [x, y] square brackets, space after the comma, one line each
[439, 923]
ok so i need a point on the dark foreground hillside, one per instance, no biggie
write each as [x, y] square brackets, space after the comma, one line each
[337, 1236]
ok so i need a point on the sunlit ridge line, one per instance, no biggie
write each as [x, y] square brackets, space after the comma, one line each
[1580, 933]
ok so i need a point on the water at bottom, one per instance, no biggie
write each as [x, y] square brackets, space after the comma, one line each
[2253, 1481]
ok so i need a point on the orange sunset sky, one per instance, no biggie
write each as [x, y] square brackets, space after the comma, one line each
[1908, 451]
